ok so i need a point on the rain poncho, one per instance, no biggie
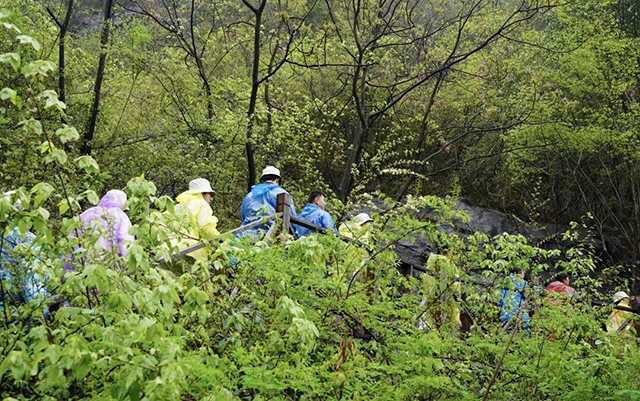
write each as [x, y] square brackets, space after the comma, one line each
[617, 319]
[200, 222]
[443, 293]
[560, 287]
[314, 214]
[511, 301]
[355, 252]
[260, 202]
[108, 219]
[359, 233]
[19, 284]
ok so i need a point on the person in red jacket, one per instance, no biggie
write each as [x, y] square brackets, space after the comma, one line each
[561, 285]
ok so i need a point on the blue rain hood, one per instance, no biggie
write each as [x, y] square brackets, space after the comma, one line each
[261, 201]
[260, 190]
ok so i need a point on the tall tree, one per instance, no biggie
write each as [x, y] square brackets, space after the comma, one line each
[284, 48]
[62, 36]
[255, 84]
[387, 50]
[95, 108]
[183, 23]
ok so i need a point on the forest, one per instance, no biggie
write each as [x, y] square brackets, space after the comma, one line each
[527, 107]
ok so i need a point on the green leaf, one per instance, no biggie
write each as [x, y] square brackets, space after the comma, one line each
[9, 25]
[12, 58]
[166, 294]
[139, 186]
[38, 67]
[63, 206]
[19, 363]
[23, 225]
[47, 146]
[31, 126]
[3, 14]
[67, 133]
[82, 366]
[43, 191]
[91, 196]
[54, 154]
[88, 164]
[196, 296]
[44, 213]
[57, 155]
[52, 100]
[7, 93]
[24, 39]
[119, 300]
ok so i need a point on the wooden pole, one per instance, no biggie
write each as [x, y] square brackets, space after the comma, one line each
[284, 205]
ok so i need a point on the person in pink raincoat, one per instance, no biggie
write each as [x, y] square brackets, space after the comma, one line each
[109, 221]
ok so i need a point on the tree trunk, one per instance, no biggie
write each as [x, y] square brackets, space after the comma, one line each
[207, 87]
[255, 84]
[423, 135]
[64, 27]
[104, 38]
[61, 55]
[361, 131]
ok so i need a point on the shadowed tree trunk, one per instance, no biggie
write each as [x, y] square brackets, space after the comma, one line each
[64, 27]
[255, 84]
[104, 39]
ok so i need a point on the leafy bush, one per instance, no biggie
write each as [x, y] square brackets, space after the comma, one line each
[283, 322]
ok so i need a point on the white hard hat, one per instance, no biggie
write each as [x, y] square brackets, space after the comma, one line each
[201, 185]
[270, 170]
[620, 295]
[362, 218]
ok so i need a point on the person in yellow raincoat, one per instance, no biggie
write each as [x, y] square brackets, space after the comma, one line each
[620, 317]
[356, 228]
[200, 223]
[444, 292]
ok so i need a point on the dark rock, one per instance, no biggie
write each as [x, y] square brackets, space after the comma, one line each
[415, 250]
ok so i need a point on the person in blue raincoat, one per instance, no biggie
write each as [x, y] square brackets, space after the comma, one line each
[19, 284]
[22, 285]
[512, 300]
[314, 213]
[261, 201]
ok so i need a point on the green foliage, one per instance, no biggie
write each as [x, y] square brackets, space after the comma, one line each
[287, 322]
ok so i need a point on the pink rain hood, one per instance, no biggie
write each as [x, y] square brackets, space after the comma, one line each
[114, 223]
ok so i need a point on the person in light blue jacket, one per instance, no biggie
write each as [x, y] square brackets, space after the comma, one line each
[513, 303]
[262, 201]
[19, 284]
[314, 213]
